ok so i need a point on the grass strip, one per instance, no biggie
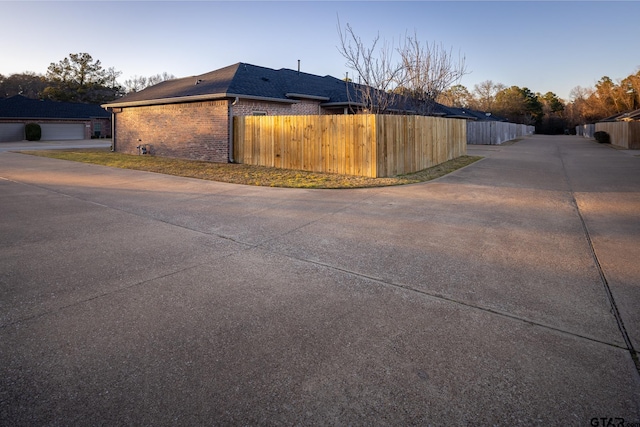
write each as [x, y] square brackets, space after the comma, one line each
[247, 174]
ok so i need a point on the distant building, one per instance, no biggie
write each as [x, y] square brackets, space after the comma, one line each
[58, 120]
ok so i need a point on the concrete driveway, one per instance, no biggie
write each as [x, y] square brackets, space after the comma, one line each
[506, 293]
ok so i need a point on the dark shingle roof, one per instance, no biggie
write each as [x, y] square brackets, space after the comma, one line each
[621, 117]
[467, 113]
[244, 80]
[19, 107]
[283, 85]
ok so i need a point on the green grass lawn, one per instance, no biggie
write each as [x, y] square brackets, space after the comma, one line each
[247, 174]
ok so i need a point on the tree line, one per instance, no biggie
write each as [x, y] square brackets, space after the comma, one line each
[515, 104]
[423, 73]
[548, 112]
[76, 78]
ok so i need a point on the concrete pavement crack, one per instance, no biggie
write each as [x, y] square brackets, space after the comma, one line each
[102, 295]
[102, 205]
[603, 278]
[448, 299]
[249, 246]
[245, 247]
[221, 236]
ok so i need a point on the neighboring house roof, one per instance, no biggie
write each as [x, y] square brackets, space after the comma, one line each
[466, 113]
[629, 116]
[19, 107]
[245, 81]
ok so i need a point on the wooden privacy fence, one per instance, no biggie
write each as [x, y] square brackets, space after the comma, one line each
[362, 144]
[586, 131]
[494, 133]
[622, 134]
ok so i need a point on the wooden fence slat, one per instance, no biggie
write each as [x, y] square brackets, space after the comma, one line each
[621, 134]
[365, 145]
[492, 132]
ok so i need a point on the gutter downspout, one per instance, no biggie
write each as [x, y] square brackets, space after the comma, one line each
[113, 130]
[235, 101]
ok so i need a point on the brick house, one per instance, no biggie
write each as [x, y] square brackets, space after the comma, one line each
[58, 120]
[192, 117]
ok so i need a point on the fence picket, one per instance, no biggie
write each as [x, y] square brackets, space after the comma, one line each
[365, 145]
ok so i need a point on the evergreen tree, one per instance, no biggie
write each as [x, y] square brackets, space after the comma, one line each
[80, 78]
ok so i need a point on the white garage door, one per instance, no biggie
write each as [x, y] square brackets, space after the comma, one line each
[61, 131]
[11, 132]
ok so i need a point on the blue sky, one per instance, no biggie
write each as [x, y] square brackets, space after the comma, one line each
[542, 45]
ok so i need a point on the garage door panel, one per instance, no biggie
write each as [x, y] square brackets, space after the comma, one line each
[61, 131]
[10, 132]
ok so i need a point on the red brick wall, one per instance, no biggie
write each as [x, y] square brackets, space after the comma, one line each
[105, 125]
[197, 131]
[248, 108]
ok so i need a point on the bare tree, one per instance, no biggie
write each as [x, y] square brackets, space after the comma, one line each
[111, 77]
[158, 78]
[583, 109]
[377, 71]
[414, 82]
[484, 95]
[137, 83]
[429, 69]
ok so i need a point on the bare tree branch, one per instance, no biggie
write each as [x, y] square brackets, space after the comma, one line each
[137, 83]
[377, 71]
[414, 82]
[429, 70]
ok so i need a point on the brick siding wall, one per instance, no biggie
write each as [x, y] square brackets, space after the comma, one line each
[104, 127]
[248, 108]
[196, 131]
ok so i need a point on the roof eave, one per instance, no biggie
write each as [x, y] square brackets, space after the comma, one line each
[161, 101]
[53, 118]
[342, 104]
[262, 98]
[195, 98]
[304, 96]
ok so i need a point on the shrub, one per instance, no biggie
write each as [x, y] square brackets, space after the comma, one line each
[602, 137]
[33, 132]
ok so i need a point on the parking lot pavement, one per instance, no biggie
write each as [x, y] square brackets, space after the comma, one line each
[505, 293]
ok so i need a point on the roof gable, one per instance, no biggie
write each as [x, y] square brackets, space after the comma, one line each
[213, 83]
[19, 107]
